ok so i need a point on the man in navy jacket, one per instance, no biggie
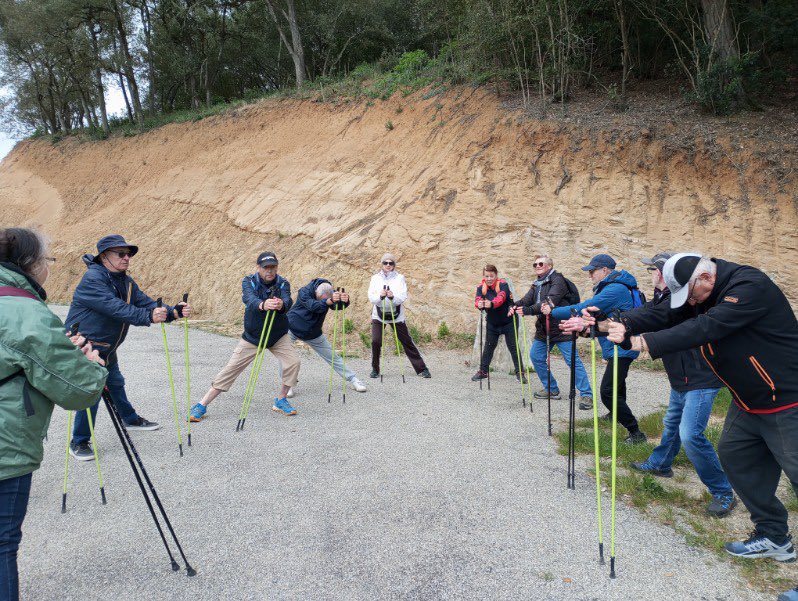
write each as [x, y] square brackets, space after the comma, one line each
[106, 303]
[262, 293]
[306, 318]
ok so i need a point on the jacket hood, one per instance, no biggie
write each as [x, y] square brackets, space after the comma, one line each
[11, 275]
[88, 259]
[315, 283]
[622, 277]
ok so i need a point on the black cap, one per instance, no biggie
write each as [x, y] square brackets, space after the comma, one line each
[658, 260]
[267, 258]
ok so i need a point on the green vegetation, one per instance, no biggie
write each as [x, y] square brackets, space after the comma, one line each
[349, 326]
[443, 331]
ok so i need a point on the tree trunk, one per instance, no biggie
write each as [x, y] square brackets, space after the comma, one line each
[127, 64]
[98, 79]
[146, 23]
[719, 29]
[127, 102]
[294, 47]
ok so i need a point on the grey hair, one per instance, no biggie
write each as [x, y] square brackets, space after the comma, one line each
[323, 288]
[705, 265]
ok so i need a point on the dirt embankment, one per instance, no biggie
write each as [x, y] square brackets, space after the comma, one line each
[458, 181]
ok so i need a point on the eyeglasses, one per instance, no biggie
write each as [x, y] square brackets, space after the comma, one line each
[121, 253]
[50, 260]
[388, 263]
[651, 269]
[538, 264]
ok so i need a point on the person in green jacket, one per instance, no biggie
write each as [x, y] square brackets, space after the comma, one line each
[39, 367]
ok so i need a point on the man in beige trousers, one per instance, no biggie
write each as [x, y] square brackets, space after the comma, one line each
[262, 292]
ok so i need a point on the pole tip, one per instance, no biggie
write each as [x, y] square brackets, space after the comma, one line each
[102, 494]
[612, 567]
[180, 446]
[190, 571]
[175, 567]
[189, 440]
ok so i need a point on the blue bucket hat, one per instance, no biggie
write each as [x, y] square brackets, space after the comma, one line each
[600, 261]
[114, 241]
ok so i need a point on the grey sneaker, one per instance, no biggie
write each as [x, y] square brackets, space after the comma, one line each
[543, 393]
[722, 505]
[645, 466]
[586, 403]
[81, 451]
[757, 545]
[142, 424]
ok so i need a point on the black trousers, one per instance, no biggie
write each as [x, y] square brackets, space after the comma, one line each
[491, 339]
[625, 416]
[753, 450]
[403, 334]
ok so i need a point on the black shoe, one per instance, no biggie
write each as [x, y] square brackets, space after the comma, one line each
[643, 466]
[374, 374]
[522, 378]
[480, 375]
[142, 424]
[81, 451]
[425, 373]
[636, 438]
[607, 417]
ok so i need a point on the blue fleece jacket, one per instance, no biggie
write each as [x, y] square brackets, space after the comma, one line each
[106, 304]
[253, 291]
[609, 294]
[307, 315]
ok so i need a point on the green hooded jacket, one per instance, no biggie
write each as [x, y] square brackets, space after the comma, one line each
[50, 370]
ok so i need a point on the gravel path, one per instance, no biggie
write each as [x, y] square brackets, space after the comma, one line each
[427, 490]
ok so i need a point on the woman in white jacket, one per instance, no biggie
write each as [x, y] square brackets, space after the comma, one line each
[388, 292]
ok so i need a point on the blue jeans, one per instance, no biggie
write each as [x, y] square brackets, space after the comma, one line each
[116, 385]
[685, 422]
[537, 354]
[14, 495]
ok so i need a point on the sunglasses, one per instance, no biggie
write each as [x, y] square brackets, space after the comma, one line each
[121, 254]
[50, 260]
[538, 264]
[388, 263]
[651, 269]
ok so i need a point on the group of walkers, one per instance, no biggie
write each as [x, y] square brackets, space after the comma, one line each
[713, 323]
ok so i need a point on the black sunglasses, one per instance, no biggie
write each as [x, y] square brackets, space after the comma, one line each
[388, 263]
[121, 254]
[538, 264]
[651, 269]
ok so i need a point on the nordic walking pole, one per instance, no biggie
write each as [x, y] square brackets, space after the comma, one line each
[96, 455]
[548, 366]
[66, 461]
[257, 368]
[572, 415]
[396, 340]
[525, 353]
[343, 350]
[614, 460]
[481, 348]
[188, 374]
[382, 335]
[130, 452]
[332, 364]
[596, 443]
[258, 352]
[518, 358]
[159, 304]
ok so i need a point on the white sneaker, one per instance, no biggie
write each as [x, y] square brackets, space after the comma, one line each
[357, 385]
[290, 394]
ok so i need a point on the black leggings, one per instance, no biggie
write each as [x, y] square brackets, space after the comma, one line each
[625, 415]
[492, 340]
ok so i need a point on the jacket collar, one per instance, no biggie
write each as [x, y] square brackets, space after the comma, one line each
[34, 285]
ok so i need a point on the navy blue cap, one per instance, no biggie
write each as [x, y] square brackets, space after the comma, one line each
[267, 258]
[600, 261]
[114, 241]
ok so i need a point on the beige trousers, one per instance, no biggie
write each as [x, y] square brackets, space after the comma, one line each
[244, 354]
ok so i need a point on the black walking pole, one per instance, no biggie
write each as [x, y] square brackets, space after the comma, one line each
[572, 414]
[548, 365]
[481, 348]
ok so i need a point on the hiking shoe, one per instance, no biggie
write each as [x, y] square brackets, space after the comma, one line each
[757, 545]
[282, 406]
[374, 374]
[480, 375]
[290, 394]
[607, 417]
[142, 424]
[790, 595]
[81, 451]
[722, 505]
[645, 466]
[522, 378]
[198, 412]
[586, 403]
[543, 393]
[425, 373]
[357, 385]
[636, 438]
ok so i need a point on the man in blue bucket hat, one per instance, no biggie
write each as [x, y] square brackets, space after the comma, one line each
[106, 303]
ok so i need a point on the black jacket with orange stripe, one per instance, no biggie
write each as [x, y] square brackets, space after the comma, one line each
[746, 331]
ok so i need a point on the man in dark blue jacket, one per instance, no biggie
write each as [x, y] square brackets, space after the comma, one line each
[106, 303]
[612, 290]
[306, 318]
[261, 293]
[693, 390]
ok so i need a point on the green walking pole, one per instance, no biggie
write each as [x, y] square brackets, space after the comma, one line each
[525, 353]
[343, 349]
[66, 462]
[518, 359]
[96, 455]
[596, 443]
[258, 352]
[398, 350]
[257, 367]
[188, 374]
[159, 304]
[332, 363]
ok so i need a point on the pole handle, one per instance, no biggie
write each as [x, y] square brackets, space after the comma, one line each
[185, 297]
[159, 302]
[74, 329]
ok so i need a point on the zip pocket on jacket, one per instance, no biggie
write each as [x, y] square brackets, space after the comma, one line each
[763, 374]
[26, 400]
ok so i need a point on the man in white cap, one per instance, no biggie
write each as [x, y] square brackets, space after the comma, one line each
[747, 332]
[388, 292]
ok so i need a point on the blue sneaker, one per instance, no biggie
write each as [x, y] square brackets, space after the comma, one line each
[722, 505]
[790, 595]
[198, 412]
[757, 545]
[646, 467]
[282, 406]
